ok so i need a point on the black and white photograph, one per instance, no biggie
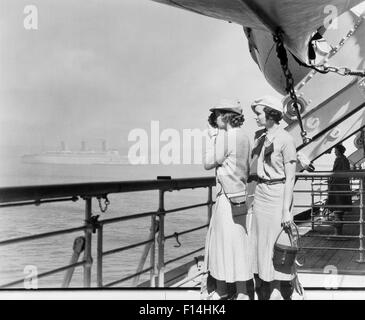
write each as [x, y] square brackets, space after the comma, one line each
[207, 150]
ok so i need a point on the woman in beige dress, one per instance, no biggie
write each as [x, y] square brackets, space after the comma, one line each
[227, 244]
[275, 152]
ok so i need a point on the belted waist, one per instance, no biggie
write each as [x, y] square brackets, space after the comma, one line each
[255, 177]
[271, 181]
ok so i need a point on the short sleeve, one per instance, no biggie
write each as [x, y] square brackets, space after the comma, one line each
[289, 151]
[221, 147]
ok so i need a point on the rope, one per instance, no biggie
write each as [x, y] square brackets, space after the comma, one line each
[106, 203]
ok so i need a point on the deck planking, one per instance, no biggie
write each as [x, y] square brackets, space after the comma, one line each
[343, 260]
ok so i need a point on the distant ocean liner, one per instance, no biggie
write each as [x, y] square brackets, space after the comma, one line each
[83, 156]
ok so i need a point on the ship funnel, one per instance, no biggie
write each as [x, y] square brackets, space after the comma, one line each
[63, 146]
[103, 146]
[83, 146]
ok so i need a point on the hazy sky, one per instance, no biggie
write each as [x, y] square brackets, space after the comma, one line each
[100, 68]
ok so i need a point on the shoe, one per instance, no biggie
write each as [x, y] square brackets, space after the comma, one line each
[242, 296]
[215, 296]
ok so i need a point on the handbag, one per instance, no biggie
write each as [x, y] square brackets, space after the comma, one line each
[284, 256]
[238, 209]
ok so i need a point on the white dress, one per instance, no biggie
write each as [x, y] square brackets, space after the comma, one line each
[227, 253]
[268, 206]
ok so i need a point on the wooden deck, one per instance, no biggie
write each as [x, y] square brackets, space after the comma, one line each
[325, 260]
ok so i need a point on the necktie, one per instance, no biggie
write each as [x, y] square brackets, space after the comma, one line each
[255, 155]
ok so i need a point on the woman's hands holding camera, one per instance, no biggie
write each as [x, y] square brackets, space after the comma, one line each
[212, 132]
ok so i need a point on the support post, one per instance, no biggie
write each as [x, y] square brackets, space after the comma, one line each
[146, 250]
[210, 203]
[361, 221]
[312, 205]
[153, 273]
[88, 239]
[78, 247]
[161, 240]
[99, 257]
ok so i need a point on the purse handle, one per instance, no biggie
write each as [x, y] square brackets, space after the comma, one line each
[237, 204]
[288, 230]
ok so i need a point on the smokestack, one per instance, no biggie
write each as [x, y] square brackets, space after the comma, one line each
[83, 146]
[103, 145]
[63, 146]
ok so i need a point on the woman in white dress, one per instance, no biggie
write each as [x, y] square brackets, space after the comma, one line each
[227, 244]
[275, 153]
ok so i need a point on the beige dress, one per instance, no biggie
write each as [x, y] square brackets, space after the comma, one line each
[268, 206]
[227, 243]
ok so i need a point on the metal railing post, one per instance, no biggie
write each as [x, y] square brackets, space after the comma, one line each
[78, 247]
[99, 257]
[312, 204]
[361, 221]
[144, 256]
[210, 203]
[153, 273]
[161, 240]
[88, 239]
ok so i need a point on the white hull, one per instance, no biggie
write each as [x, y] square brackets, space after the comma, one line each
[77, 158]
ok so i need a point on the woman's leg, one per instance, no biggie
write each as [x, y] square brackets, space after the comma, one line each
[221, 288]
[211, 284]
[262, 288]
[275, 290]
[286, 289]
[279, 290]
[245, 290]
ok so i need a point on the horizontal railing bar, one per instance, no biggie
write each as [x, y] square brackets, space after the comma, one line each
[185, 232]
[340, 272]
[92, 189]
[41, 235]
[327, 206]
[329, 192]
[148, 214]
[184, 256]
[323, 222]
[332, 236]
[112, 251]
[37, 203]
[127, 278]
[354, 183]
[186, 207]
[44, 274]
[126, 218]
[327, 174]
[331, 248]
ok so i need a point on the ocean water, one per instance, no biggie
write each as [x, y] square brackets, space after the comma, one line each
[55, 252]
[50, 253]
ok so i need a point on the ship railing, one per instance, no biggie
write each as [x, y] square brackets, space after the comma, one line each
[37, 195]
[320, 209]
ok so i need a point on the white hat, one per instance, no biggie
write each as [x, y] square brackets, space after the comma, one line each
[268, 101]
[228, 105]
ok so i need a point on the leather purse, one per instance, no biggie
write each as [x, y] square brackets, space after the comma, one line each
[284, 256]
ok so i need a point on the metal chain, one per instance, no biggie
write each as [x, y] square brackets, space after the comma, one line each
[283, 57]
[343, 71]
[324, 68]
[106, 203]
